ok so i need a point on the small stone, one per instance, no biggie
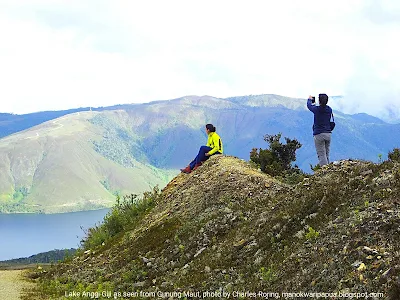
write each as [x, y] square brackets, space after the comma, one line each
[227, 210]
[199, 252]
[370, 250]
[362, 267]
[240, 243]
[139, 284]
[258, 260]
[366, 172]
[386, 274]
[313, 283]
[207, 269]
[356, 264]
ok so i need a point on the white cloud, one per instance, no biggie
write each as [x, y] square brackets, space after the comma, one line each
[65, 54]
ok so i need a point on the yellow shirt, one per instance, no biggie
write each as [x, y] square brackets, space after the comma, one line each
[214, 142]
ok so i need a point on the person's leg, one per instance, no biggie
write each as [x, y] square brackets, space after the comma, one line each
[201, 156]
[320, 148]
[192, 164]
[327, 137]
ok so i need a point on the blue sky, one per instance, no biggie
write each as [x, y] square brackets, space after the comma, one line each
[63, 54]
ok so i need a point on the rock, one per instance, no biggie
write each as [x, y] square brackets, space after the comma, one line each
[386, 274]
[207, 269]
[370, 250]
[366, 172]
[199, 252]
[139, 284]
[227, 210]
[299, 234]
[356, 264]
[362, 268]
[240, 244]
[258, 260]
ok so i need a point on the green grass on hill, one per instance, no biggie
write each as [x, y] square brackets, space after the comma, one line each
[229, 227]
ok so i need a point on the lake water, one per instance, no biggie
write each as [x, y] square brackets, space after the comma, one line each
[23, 235]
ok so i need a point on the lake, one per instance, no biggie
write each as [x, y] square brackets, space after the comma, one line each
[23, 235]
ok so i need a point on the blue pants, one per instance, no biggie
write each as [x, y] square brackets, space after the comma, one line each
[201, 156]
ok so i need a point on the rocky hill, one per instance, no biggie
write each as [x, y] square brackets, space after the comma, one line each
[227, 228]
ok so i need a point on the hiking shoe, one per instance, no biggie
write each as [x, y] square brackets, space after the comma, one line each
[196, 166]
[186, 170]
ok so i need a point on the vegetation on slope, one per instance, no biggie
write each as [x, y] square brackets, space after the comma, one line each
[55, 167]
[229, 227]
[118, 143]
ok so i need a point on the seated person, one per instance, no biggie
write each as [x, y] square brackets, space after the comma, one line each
[214, 146]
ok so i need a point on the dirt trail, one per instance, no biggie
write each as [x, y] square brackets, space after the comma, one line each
[11, 284]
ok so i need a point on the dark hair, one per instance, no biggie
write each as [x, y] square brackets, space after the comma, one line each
[323, 99]
[211, 127]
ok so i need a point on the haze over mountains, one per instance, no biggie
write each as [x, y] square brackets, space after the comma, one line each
[389, 113]
[81, 160]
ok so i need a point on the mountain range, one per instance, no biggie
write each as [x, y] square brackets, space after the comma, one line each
[81, 159]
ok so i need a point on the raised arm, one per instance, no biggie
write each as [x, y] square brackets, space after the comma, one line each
[311, 105]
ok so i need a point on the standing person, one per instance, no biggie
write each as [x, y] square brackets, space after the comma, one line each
[322, 127]
[214, 146]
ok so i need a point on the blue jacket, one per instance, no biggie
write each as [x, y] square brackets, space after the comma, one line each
[322, 117]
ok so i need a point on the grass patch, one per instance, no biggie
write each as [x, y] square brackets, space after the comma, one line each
[123, 216]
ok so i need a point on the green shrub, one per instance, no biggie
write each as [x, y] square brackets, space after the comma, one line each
[394, 155]
[267, 275]
[312, 234]
[123, 216]
[278, 159]
[315, 168]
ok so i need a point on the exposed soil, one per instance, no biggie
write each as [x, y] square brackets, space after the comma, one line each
[12, 283]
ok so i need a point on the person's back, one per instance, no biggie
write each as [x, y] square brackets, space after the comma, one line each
[322, 127]
[322, 117]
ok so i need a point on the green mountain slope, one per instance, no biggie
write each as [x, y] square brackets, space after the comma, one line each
[229, 228]
[54, 167]
[81, 160]
[172, 131]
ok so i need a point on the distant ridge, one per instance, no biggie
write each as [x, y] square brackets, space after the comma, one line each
[83, 160]
[40, 258]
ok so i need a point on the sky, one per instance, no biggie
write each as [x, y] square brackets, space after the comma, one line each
[60, 54]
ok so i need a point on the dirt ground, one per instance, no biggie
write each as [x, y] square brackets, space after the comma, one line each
[11, 284]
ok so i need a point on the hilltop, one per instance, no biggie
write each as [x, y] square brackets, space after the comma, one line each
[228, 227]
